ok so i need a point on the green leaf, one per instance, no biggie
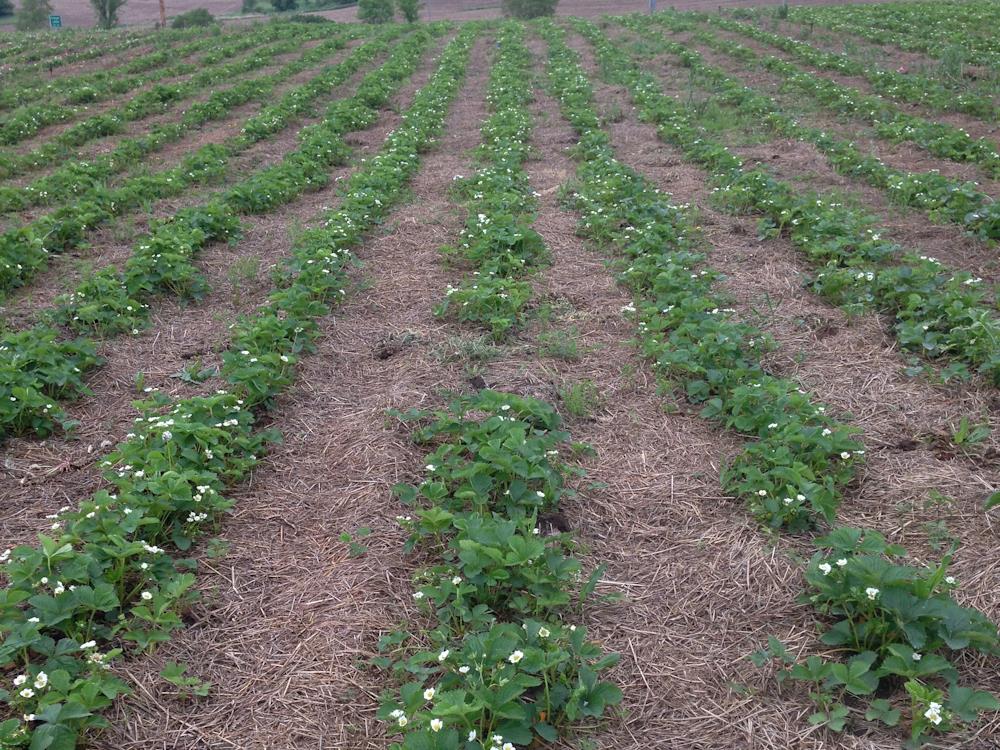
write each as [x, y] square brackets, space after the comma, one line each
[968, 703]
[546, 731]
[778, 650]
[592, 582]
[881, 710]
[53, 737]
[835, 718]
[760, 657]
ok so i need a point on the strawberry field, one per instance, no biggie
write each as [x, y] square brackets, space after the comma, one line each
[589, 381]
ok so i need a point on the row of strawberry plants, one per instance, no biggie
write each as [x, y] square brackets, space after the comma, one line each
[943, 198]
[690, 331]
[500, 667]
[92, 47]
[96, 86]
[43, 47]
[26, 250]
[111, 302]
[102, 580]
[906, 87]
[888, 621]
[938, 138]
[156, 100]
[28, 119]
[498, 241]
[938, 312]
[919, 27]
[77, 175]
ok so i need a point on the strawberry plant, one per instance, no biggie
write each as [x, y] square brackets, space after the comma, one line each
[884, 618]
[102, 577]
[498, 240]
[505, 668]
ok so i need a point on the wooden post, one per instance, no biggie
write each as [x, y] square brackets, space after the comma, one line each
[163, 15]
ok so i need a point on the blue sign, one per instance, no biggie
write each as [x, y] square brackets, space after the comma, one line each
[55, 22]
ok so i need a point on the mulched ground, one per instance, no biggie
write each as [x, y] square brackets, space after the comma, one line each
[973, 126]
[289, 617]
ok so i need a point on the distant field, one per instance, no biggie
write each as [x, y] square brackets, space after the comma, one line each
[78, 13]
[608, 382]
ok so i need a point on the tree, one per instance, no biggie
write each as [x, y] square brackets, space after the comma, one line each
[107, 12]
[6, 8]
[283, 5]
[410, 10]
[33, 14]
[195, 17]
[529, 8]
[375, 11]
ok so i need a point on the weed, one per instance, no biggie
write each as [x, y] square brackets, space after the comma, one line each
[241, 273]
[581, 399]
[968, 435]
[188, 687]
[475, 349]
[560, 344]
